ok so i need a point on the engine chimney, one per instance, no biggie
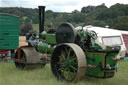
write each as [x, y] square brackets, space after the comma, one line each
[41, 19]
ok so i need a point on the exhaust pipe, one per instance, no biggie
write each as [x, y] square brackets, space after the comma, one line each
[41, 19]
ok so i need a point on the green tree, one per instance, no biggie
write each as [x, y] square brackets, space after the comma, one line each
[87, 9]
[27, 28]
[121, 23]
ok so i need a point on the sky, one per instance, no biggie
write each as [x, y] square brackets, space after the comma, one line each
[59, 5]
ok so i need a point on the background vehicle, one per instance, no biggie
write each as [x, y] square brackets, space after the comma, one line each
[9, 35]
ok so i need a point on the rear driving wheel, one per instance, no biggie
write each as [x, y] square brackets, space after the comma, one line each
[68, 62]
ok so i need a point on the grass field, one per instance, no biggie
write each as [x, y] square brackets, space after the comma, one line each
[35, 27]
[10, 75]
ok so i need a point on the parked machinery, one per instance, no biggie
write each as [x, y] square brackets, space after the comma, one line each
[78, 53]
[74, 53]
[9, 35]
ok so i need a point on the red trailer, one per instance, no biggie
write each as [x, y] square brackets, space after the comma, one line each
[125, 38]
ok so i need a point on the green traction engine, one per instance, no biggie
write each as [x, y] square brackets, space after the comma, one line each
[74, 53]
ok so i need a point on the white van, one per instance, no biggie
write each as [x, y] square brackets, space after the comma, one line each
[108, 37]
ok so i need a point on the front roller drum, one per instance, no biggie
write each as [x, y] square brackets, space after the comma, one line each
[68, 62]
[27, 58]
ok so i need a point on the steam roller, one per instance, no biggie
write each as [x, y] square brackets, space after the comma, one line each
[74, 52]
[28, 56]
[78, 54]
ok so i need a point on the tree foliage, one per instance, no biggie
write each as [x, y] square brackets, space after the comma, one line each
[116, 16]
[27, 28]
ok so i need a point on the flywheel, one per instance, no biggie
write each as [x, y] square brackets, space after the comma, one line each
[65, 33]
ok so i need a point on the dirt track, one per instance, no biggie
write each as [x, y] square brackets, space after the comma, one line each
[22, 41]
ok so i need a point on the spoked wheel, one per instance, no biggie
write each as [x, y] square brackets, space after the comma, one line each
[22, 58]
[68, 62]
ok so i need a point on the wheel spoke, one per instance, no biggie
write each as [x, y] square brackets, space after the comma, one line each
[74, 59]
[61, 58]
[61, 69]
[66, 75]
[62, 55]
[68, 53]
[74, 68]
[66, 49]
[60, 63]
[69, 75]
